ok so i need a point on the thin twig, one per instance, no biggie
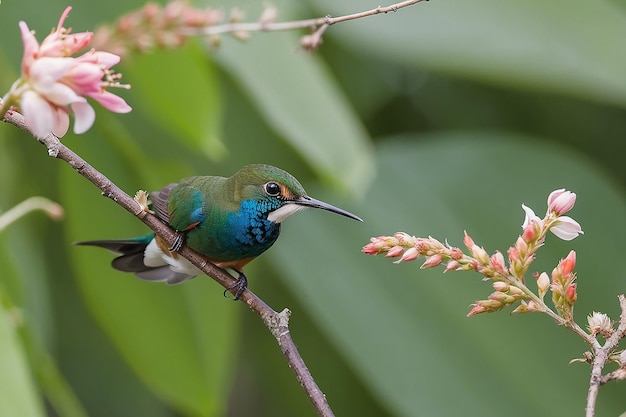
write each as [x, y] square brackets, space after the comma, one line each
[616, 375]
[601, 356]
[277, 323]
[570, 324]
[299, 24]
[319, 25]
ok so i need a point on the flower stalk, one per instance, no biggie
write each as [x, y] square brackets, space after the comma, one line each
[509, 281]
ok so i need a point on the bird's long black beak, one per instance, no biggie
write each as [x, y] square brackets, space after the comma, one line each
[311, 202]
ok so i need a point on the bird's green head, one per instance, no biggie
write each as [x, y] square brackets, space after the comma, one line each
[276, 190]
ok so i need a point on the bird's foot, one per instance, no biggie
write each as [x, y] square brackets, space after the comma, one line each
[239, 286]
[178, 242]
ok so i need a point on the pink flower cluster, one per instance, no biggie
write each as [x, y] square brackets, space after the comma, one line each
[508, 280]
[563, 287]
[157, 26]
[53, 83]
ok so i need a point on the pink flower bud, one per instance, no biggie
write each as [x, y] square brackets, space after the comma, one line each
[455, 253]
[497, 262]
[532, 225]
[468, 241]
[543, 283]
[513, 253]
[561, 201]
[525, 307]
[432, 261]
[533, 306]
[501, 297]
[424, 246]
[485, 306]
[410, 255]
[395, 252]
[521, 246]
[452, 265]
[404, 239]
[570, 294]
[477, 252]
[567, 265]
[371, 249]
[476, 309]
[61, 43]
[530, 233]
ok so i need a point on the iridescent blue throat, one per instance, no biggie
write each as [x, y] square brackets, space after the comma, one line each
[254, 234]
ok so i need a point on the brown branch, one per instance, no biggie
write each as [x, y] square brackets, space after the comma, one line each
[600, 358]
[300, 24]
[277, 323]
[308, 42]
[616, 375]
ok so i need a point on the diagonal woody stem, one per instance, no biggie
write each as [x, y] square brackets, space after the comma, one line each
[277, 323]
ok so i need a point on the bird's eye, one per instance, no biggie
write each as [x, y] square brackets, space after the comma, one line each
[272, 188]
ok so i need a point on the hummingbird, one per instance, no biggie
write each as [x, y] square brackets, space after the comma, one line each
[230, 221]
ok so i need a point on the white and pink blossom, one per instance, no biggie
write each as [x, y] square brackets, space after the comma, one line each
[54, 83]
[564, 227]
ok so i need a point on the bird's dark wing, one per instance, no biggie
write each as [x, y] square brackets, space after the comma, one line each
[180, 205]
[160, 200]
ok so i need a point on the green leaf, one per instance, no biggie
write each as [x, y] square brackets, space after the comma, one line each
[404, 330]
[18, 395]
[178, 91]
[299, 99]
[531, 44]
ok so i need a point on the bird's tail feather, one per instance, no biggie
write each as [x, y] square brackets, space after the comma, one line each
[131, 259]
[130, 251]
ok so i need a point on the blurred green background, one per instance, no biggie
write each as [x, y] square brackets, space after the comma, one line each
[442, 117]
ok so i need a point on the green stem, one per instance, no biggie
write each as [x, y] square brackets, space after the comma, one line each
[51, 208]
[570, 324]
[7, 101]
[4, 107]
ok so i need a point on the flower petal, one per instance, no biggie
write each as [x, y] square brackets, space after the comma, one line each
[111, 102]
[84, 116]
[530, 216]
[101, 58]
[107, 59]
[38, 112]
[61, 43]
[62, 95]
[85, 78]
[61, 122]
[46, 71]
[31, 47]
[566, 228]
